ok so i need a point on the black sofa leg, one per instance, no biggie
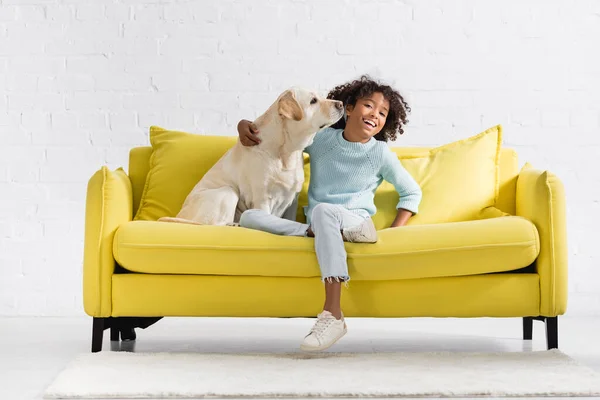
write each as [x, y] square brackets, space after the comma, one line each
[552, 332]
[97, 334]
[123, 326]
[114, 333]
[527, 328]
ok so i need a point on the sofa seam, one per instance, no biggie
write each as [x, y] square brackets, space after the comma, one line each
[215, 248]
[102, 215]
[552, 247]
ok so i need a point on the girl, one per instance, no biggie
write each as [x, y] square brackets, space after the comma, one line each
[348, 161]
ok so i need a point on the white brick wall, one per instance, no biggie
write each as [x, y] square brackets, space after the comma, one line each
[82, 80]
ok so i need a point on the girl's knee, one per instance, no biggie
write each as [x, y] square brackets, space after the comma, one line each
[249, 217]
[324, 209]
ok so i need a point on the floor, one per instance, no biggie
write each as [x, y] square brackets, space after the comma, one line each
[34, 350]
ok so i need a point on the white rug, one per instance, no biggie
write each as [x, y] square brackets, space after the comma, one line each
[191, 375]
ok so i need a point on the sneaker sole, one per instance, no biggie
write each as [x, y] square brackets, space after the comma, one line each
[321, 348]
[371, 233]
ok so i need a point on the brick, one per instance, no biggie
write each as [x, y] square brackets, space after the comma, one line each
[65, 191]
[70, 47]
[531, 117]
[189, 48]
[64, 120]
[21, 47]
[35, 120]
[59, 137]
[584, 118]
[12, 207]
[283, 28]
[28, 230]
[39, 101]
[89, 12]
[141, 29]
[243, 46]
[295, 46]
[59, 168]
[117, 12]
[21, 83]
[450, 117]
[121, 137]
[127, 47]
[152, 101]
[152, 64]
[31, 13]
[181, 82]
[188, 12]
[117, 156]
[329, 10]
[123, 81]
[91, 29]
[10, 119]
[43, 31]
[3, 178]
[66, 83]
[235, 83]
[122, 120]
[240, 11]
[24, 173]
[94, 64]
[222, 63]
[147, 12]
[60, 12]
[214, 101]
[37, 64]
[8, 13]
[25, 192]
[93, 101]
[92, 120]
[555, 119]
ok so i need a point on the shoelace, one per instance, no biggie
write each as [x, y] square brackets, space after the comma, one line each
[321, 325]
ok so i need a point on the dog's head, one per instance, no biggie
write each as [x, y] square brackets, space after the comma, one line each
[308, 112]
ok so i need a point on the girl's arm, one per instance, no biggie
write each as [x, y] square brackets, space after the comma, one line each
[401, 218]
[406, 186]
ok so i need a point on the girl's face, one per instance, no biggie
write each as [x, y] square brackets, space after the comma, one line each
[367, 118]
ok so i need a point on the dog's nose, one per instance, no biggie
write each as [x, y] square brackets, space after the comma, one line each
[339, 105]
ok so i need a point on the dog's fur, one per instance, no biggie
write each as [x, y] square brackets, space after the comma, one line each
[266, 176]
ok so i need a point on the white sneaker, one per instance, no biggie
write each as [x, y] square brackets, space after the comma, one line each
[363, 233]
[326, 331]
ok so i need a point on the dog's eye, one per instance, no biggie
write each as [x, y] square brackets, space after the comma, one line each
[313, 101]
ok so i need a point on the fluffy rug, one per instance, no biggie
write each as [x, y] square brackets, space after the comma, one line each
[189, 375]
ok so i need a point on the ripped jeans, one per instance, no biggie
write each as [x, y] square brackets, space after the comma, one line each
[327, 222]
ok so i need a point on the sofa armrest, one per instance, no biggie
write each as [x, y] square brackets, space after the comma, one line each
[541, 199]
[108, 204]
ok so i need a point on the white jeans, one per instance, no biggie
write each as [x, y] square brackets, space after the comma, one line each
[327, 222]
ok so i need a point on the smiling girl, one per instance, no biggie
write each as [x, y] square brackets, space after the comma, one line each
[348, 161]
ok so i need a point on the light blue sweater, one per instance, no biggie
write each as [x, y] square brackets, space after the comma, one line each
[348, 173]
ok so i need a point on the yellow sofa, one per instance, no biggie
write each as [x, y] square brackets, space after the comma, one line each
[136, 272]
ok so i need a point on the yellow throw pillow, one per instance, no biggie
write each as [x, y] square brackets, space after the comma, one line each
[459, 181]
[178, 161]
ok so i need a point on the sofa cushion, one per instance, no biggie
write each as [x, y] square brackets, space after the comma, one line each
[178, 161]
[420, 251]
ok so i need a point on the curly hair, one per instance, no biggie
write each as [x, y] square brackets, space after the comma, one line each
[360, 88]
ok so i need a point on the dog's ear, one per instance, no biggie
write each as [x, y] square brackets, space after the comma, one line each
[289, 107]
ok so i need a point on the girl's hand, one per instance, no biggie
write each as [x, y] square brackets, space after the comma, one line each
[247, 132]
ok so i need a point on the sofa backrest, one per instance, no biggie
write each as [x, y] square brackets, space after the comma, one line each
[139, 158]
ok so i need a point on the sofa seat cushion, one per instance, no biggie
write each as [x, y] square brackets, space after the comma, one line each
[419, 251]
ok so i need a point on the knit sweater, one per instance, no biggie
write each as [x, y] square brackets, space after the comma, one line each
[348, 173]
